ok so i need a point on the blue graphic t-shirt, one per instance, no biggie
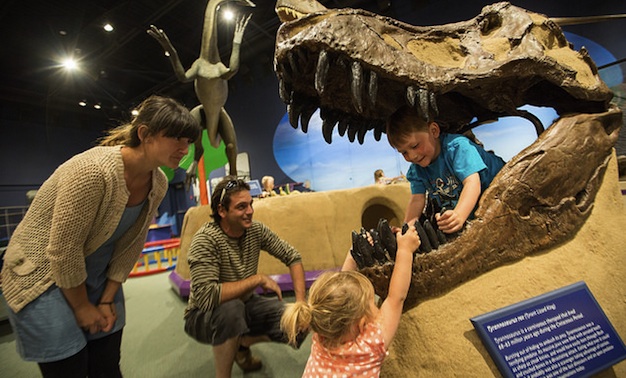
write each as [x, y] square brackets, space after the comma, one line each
[459, 158]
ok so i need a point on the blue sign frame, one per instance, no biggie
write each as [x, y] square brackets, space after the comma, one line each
[255, 188]
[560, 333]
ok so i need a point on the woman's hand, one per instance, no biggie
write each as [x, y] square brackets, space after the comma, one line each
[108, 310]
[90, 318]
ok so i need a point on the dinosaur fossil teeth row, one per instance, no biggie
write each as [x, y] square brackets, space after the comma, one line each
[357, 79]
[289, 14]
[363, 86]
[423, 101]
[303, 113]
[301, 109]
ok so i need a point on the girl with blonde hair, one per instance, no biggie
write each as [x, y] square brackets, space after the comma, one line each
[351, 334]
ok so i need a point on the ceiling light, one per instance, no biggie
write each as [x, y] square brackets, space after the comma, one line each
[97, 106]
[228, 15]
[108, 27]
[82, 102]
[69, 64]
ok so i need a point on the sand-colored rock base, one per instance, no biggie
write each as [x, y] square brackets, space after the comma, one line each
[318, 224]
[437, 339]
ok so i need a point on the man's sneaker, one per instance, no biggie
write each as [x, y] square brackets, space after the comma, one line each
[246, 361]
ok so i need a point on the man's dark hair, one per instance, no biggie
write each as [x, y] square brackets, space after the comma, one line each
[222, 193]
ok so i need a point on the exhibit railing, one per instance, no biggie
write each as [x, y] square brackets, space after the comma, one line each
[10, 217]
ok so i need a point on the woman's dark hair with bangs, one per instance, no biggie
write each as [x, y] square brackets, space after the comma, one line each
[160, 114]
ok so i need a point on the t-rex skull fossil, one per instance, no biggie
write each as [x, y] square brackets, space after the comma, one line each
[358, 68]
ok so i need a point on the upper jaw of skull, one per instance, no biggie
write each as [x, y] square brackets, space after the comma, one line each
[289, 10]
[358, 68]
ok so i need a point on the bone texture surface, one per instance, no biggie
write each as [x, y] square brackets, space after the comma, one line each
[358, 68]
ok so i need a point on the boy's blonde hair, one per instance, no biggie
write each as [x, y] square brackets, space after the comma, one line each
[402, 123]
[337, 302]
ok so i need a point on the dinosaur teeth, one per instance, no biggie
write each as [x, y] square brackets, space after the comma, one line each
[423, 104]
[433, 103]
[305, 117]
[284, 93]
[285, 74]
[411, 93]
[327, 130]
[294, 114]
[302, 56]
[342, 127]
[357, 85]
[352, 133]
[321, 72]
[361, 134]
[378, 131]
[287, 14]
[293, 65]
[372, 88]
[329, 120]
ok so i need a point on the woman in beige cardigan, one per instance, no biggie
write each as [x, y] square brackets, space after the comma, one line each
[67, 259]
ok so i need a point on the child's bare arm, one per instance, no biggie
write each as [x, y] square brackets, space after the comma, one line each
[391, 309]
[453, 220]
[349, 263]
[414, 208]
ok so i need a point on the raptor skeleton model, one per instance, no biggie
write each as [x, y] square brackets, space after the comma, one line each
[210, 77]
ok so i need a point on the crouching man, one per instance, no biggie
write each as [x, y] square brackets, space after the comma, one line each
[223, 308]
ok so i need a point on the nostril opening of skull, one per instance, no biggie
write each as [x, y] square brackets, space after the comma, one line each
[527, 205]
[491, 22]
[583, 200]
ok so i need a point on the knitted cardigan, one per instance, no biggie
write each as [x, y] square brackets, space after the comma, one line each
[74, 212]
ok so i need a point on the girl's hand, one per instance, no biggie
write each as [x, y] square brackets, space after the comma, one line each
[410, 240]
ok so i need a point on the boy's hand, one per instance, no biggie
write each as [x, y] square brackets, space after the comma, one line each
[450, 221]
[409, 240]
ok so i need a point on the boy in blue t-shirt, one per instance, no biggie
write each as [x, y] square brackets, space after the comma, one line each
[453, 170]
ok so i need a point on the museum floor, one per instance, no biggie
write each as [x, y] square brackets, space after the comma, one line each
[154, 343]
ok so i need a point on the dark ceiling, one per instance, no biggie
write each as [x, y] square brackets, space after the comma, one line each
[120, 68]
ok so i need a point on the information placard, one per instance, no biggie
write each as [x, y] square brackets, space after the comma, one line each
[563, 333]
